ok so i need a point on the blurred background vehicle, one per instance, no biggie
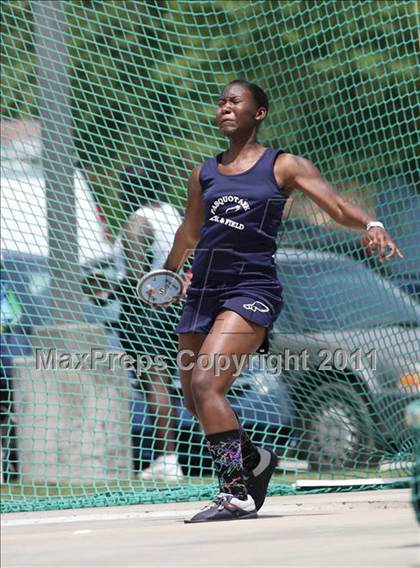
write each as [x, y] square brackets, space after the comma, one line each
[351, 398]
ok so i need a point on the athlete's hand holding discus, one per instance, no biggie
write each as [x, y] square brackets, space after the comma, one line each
[233, 215]
[162, 287]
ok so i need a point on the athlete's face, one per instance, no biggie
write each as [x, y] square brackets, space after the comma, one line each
[237, 110]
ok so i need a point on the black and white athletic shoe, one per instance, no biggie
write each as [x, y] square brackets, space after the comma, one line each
[258, 479]
[226, 507]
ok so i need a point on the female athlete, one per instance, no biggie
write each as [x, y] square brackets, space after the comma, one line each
[232, 217]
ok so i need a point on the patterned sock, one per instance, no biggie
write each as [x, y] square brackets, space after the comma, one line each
[225, 450]
[250, 454]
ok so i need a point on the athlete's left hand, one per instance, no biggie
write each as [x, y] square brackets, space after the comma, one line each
[378, 240]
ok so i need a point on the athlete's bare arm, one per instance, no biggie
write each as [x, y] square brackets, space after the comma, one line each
[293, 172]
[188, 233]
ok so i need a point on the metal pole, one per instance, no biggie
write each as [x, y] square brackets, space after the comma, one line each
[53, 74]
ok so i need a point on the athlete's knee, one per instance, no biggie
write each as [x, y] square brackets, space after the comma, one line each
[205, 385]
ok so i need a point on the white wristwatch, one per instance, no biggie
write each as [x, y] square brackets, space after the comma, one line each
[372, 224]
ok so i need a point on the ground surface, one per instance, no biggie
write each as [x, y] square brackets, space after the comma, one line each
[372, 529]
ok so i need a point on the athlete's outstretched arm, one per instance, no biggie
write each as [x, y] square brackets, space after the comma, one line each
[188, 233]
[294, 172]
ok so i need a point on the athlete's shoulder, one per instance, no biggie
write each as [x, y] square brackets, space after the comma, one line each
[203, 171]
[291, 162]
[289, 166]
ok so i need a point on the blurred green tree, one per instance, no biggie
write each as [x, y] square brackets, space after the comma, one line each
[145, 76]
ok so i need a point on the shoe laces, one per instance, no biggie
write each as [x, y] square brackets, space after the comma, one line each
[221, 499]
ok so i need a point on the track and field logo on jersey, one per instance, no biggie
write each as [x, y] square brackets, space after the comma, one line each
[256, 306]
[228, 205]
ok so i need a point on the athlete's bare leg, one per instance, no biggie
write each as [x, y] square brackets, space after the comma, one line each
[192, 342]
[205, 393]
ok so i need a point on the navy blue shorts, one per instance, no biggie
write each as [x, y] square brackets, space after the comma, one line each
[258, 301]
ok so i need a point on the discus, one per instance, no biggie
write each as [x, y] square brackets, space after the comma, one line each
[159, 287]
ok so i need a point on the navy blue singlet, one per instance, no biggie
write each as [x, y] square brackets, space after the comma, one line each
[234, 266]
[242, 219]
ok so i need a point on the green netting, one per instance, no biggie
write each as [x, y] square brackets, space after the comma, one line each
[98, 94]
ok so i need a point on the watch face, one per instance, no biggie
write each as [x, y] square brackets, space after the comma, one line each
[159, 287]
